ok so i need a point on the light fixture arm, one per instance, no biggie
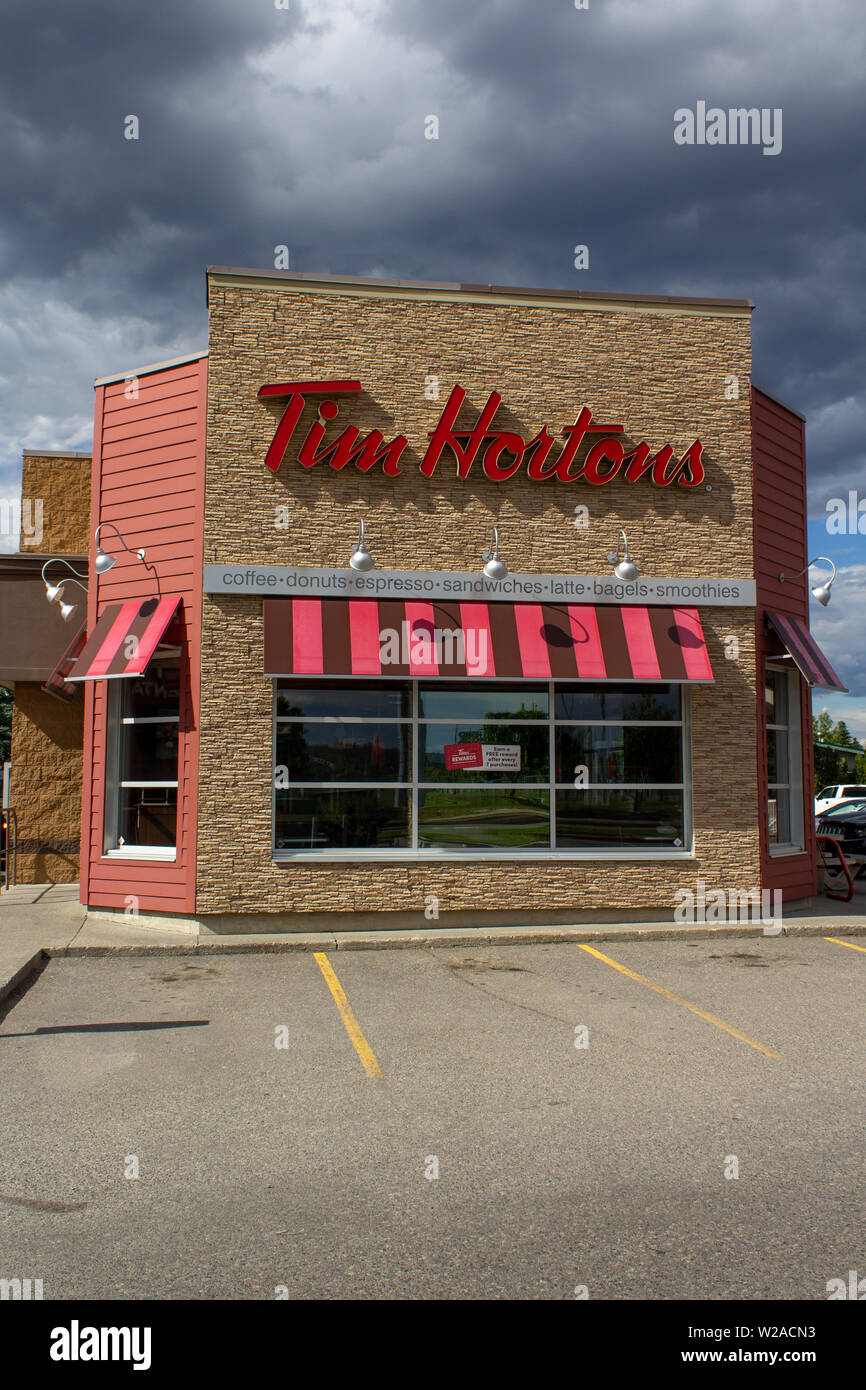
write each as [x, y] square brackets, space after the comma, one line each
[56, 560]
[139, 554]
[75, 581]
[101, 527]
[783, 578]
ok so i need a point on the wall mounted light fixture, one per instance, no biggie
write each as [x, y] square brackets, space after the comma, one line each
[821, 591]
[105, 562]
[54, 592]
[624, 568]
[360, 557]
[495, 568]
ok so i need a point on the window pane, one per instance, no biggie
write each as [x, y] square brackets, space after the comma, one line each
[350, 701]
[474, 819]
[613, 820]
[344, 752]
[582, 702]
[148, 816]
[148, 752]
[532, 741]
[777, 755]
[307, 819]
[619, 755]
[155, 693]
[779, 816]
[480, 703]
[776, 697]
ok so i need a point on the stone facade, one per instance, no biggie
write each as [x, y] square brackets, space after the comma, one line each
[661, 370]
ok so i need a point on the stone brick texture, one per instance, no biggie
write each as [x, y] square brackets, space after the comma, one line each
[47, 739]
[63, 484]
[661, 372]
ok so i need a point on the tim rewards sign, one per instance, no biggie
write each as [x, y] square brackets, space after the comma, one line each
[499, 454]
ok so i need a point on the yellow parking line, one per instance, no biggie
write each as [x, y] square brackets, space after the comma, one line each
[677, 999]
[353, 1028]
[849, 944]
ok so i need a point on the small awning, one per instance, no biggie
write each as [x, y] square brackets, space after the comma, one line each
[511, 641]
[125, 639]
[58, 683]
[807, 655]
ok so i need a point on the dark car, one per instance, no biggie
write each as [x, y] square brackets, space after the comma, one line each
[847, 824]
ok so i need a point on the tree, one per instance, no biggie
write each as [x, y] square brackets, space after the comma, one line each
[832, 769]
[822, 727]
[5, 723]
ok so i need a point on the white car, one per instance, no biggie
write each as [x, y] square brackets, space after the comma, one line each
[831, 796]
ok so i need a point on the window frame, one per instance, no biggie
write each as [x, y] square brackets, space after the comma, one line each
[116, 721]
[794, 784]
[413, 785]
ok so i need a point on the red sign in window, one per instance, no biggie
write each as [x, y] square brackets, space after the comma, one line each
[463, 755]
[493, 757]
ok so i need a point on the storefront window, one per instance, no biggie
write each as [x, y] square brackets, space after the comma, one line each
[458, 768]
[141, 773]
[784, 769]
[342, 818]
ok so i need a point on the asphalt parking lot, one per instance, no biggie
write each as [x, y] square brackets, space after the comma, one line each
[287, 1114]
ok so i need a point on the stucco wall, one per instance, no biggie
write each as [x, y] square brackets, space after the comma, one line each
[661, 373]
[47, 733]
[62, 485]
[46, 784]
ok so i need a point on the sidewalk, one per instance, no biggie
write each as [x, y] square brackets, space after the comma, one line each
[41, 921]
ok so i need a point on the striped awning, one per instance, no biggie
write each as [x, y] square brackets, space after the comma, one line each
[806, 653]
[124, 639]
[58, 682]
[523, 641]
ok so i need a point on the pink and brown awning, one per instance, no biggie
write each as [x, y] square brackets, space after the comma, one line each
[805, 652]
[469, 641]
[125, 639]
[58, 682]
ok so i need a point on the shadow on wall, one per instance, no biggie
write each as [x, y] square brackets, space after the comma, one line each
[47, 865]
[61, 721]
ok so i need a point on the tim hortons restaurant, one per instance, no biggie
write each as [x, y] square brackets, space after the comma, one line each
[411, 602]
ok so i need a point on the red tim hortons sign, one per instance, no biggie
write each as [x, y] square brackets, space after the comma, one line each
[500, 454]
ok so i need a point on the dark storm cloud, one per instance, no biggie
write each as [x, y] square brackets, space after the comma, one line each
[306, 127]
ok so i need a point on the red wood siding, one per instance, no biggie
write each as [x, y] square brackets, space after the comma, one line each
[148, 479]
[780, 539]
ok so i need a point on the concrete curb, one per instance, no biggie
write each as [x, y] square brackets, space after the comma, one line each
[501, 936]
[30, 967]
[32, 961]
[284, 944]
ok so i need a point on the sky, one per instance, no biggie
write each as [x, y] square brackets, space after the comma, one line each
[265, 123]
